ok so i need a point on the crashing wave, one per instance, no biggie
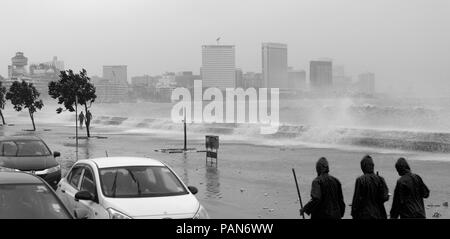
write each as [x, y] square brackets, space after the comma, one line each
[292, 133]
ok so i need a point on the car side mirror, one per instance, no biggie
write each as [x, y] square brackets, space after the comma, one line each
[193, 189]
[84, 195]
[81, 213]
[56, 154]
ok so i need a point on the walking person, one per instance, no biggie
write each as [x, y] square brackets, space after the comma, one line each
[371, 192]
[327, 201]
[409, 193]
[88, 118]
[81, 119]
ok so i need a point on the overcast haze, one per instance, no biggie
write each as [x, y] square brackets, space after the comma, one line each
[404, 42]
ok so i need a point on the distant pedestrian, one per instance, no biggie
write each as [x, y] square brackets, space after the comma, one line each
[327, 201]
[88, 118]
[409, 193]
[81, 119]
[371, 192]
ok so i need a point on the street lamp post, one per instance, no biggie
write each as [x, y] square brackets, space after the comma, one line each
[76, 127]
[185, 135]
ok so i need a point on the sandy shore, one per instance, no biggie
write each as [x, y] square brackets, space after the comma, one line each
[250, 181]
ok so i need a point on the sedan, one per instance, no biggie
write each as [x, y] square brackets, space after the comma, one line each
[25, 196]
[126, 188]
[29, 154]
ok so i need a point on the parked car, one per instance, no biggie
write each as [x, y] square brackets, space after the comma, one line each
[30, 154]
[25, 196]
[128, 187]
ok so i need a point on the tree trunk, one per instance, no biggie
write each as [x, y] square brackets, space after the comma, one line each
[32, 120]
[3, 118]
[88, 122]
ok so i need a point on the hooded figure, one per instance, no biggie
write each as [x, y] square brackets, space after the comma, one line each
[370, 194]
[409, 193]
[81, 119]
[327, 201]
[88, 118]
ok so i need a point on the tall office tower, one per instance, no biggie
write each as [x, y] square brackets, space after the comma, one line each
[275, 65]
[18, 66]
[321, 75]
[218, 66]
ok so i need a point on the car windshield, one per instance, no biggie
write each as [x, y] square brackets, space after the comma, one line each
[140, 181]
[25, 148]
[30, 201]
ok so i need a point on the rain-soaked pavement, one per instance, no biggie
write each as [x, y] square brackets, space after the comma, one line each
[250, 181]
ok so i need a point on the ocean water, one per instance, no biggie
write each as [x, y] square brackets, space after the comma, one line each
[380, 123]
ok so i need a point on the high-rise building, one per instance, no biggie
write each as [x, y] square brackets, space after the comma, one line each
[218, 66]
[321, 75]
[17, 71]
[108, 91]
[274, 65]
[116, 76]
[116, 73]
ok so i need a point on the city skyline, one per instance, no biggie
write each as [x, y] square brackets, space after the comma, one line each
[398, 47]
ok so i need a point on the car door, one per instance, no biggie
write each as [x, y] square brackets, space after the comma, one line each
[70, 187]
[62, 187]
[88, 183]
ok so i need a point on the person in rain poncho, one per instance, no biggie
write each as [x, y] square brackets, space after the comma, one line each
[81, 119]
[327, 201]
[371, 192]
[409, 193]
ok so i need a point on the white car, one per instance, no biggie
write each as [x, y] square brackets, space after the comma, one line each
[127, 187]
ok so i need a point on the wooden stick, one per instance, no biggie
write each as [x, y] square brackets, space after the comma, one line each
[298, 192]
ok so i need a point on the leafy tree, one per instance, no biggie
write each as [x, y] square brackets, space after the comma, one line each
[70, 86]
[24, 95]
[2, 101]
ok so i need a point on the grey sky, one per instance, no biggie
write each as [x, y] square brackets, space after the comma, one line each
[402, 41]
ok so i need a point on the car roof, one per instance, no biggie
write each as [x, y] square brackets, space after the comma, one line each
[19, 137]
[18, 178]
[109, 162]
